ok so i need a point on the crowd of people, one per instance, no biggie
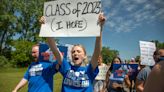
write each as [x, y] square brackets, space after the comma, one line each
[81, 77]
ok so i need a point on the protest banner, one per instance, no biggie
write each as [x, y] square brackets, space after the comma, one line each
[45, 54]
[147, 50]
[120, 70]
[102, 72]
[71, 18]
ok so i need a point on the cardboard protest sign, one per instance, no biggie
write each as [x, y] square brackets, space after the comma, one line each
[102, 72]
[116, 78]
[71, 18]
[45, 54]
[120, 70]
[147, 49]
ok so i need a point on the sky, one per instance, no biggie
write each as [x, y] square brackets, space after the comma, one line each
[128, 22]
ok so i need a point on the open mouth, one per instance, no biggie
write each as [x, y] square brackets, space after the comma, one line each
[76, 58]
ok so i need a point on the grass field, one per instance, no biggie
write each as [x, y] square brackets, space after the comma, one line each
[9, 77]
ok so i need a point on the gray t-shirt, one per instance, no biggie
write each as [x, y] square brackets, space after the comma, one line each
[144, 73]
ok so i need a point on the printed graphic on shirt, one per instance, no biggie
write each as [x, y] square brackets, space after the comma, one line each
[76, 79]
[36, 70]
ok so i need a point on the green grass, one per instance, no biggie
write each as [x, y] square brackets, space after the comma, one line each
[10, 77]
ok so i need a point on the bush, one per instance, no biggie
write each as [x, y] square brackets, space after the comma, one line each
[3, 61]
[21, 55]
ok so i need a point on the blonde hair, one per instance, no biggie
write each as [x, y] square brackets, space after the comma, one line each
[85, 61]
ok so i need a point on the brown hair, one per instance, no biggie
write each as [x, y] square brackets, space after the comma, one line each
[35, 45]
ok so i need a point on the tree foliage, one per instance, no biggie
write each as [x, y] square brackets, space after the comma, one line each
[108, 54]
[7, 21]
[28, 13]
[137, 59]
[19, 28]
[159, 45]
[3, 61]
[21, 54]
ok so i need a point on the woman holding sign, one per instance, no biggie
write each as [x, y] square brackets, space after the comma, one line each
[78, 77]
[114, 83]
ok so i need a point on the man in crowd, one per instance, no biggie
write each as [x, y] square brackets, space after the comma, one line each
[155, 82]
[144, 73]
[99, 82]
[39, 75]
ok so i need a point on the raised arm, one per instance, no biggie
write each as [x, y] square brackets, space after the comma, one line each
[52, 45]
[22, 83]
[55, 50]
[98, 43]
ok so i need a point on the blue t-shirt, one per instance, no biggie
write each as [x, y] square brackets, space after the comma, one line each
[40, 76]
[77, 78]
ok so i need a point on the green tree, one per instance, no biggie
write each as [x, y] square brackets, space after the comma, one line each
[7, 25]
[108, 54]
[159, 45]
[21, 53]
[19, 20]
[28, 13]
[18, 24]
[137, 59]
[3, 61]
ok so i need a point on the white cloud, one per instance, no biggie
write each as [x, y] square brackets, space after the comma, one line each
[159, 2]
[130, 8]
[140, 1]
[148, 6]
[160, 14]
[126, 15]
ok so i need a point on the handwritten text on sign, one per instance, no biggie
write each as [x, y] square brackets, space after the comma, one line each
[102, 72]
[147, 49]
[70, 18]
